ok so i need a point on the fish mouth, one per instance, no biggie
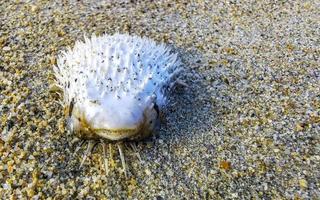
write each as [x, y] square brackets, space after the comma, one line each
[85, 129]
[130, 134]
[117, 134]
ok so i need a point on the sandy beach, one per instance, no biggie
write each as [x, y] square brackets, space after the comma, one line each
[246, 127]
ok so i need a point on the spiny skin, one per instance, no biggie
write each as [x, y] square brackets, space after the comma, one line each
[114, 85]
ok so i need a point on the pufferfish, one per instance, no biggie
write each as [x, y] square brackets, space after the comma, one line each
[115, 86]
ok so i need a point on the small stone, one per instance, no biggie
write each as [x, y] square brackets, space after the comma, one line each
[6, 48]
[10, 166]
[6, 186]
[61, 33]
[299, 127]
[303, 183]
[54, 88]
[276, 150]
[234, 195]
[225, 165]
[1, 144]
[34, 8]
[170, 173]
[30, 192]
[148, 172]
[2, 41]
[53, 60]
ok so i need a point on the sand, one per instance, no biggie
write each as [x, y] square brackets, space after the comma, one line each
[246, 127]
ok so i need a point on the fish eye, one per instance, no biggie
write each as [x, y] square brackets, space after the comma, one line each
[156, 107]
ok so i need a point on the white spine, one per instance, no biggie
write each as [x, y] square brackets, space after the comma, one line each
[118, 65]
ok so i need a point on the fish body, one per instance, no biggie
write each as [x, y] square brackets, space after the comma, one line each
[114, 86]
